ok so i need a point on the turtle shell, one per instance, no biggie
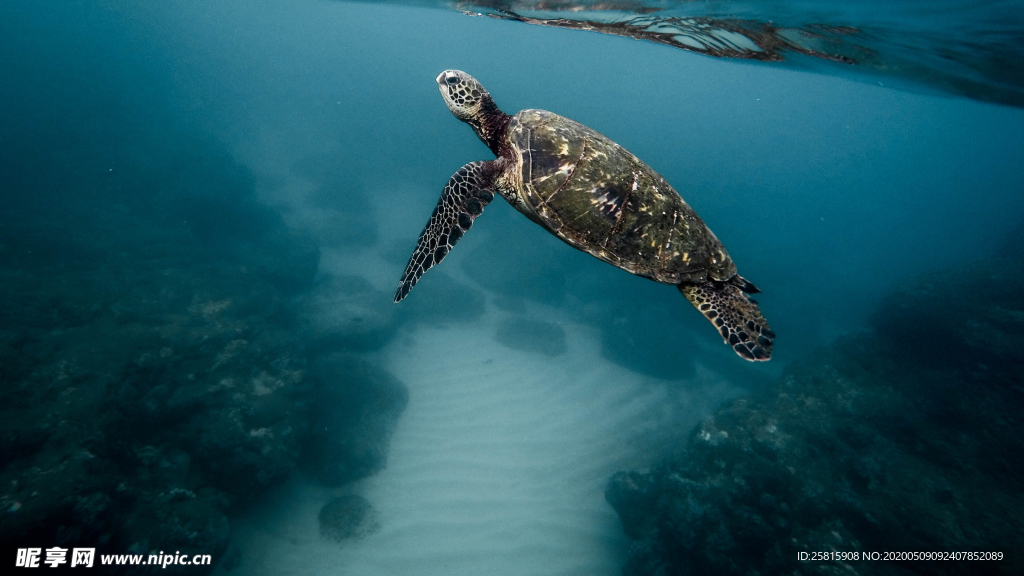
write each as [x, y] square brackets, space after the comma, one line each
[599, 198]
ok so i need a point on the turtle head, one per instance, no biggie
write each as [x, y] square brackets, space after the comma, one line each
[469, 102]
[462, 93]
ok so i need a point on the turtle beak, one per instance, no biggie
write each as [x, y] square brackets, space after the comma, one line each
[441, 76]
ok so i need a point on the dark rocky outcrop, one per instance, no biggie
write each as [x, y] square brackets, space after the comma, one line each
[137, 422]
[353, 414]
[348, 516]
[905, 439]
[155, 374]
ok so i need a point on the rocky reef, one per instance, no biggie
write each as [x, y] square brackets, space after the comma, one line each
[165, 357]
[905, 438]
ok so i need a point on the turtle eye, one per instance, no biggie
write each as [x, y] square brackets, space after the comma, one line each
[452, 80]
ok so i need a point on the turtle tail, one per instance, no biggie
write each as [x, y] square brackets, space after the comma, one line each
[734, 314]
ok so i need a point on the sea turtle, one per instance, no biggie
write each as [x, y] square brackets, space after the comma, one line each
[597, 197]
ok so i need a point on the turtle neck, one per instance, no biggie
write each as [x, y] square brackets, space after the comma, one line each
[490, 124]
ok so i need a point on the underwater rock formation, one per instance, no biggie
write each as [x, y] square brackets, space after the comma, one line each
[154, 370]
[978, 310]
[881, 442]
[349, 516]
[141, 399]
[353, 415]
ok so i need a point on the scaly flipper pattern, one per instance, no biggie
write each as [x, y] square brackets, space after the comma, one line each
[734, 314]
[463, 199]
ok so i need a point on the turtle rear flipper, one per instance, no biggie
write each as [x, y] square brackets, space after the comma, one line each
[734, 314]
[463, 199]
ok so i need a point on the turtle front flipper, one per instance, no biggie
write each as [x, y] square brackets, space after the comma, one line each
[463, 199]
[734, 314]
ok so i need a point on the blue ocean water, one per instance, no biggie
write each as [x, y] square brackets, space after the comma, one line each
[227, 192]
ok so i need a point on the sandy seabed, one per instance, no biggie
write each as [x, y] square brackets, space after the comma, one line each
[498, 465]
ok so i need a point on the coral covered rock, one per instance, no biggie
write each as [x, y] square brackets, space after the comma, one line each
[881, 442]
[154, 370]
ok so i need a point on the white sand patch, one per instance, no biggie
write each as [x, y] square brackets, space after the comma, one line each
[498, 465]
